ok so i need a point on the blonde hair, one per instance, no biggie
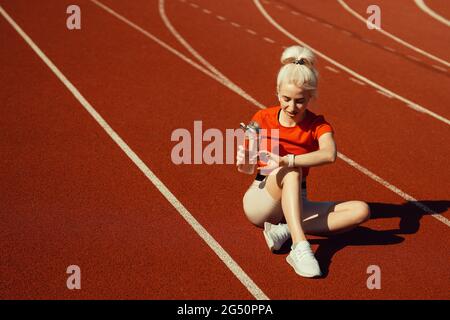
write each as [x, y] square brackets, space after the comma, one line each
[298, 68]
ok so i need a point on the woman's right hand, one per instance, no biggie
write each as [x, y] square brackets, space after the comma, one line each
[270, 161]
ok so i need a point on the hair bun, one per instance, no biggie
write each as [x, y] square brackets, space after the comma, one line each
[298, 55]
[293, 71]
[300, 61]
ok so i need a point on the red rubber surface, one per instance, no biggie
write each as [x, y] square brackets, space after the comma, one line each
[440, 7]
[71, 196]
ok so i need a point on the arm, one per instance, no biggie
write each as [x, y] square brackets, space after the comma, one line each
[326, 154]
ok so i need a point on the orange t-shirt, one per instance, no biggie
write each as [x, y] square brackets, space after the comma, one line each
[301, 139]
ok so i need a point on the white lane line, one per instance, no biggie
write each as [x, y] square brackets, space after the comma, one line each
[390, 35]
[357, 81]
[268, 40]
[329, 26]
[332, 69]
[311, 19]
[394, 189]
[439, 68]
[349, 161]
[421, 4]
[413, 57]
[414, 107]
[360, 168]
[251, 32]
[206, 11]
[389, 48]
[279, 7]
[221, 18]
[295, 13]
[193, 5]
[348, 70]
[384, 94]
[234, 24]
[198, 228]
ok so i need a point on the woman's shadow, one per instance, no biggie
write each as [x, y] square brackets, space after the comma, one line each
[410, 214]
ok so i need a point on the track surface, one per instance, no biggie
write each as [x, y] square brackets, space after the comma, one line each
[70, 195]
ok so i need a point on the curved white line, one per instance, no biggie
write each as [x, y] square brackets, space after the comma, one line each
[421, 4]
[390, 35]
[349, 161]
[409, 103]
[164, 45]
[197, 56]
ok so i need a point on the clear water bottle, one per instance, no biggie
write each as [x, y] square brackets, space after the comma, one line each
[251, 144]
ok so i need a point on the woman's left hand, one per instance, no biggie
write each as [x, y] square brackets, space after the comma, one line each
[272, 161]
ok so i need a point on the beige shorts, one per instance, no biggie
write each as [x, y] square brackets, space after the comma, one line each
[260, 206]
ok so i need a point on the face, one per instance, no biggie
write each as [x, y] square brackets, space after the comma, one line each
[293, 100]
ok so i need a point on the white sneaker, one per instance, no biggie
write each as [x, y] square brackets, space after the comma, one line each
[302, 259]
[276, 235]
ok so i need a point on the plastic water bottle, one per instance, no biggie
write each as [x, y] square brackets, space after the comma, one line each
[250, 144]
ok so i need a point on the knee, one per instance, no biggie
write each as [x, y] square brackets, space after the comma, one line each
[361, 212]
[257, 223]
[291, 173]
[253, 213]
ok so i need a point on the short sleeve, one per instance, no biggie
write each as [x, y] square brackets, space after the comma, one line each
[320, 126]
[257, 117]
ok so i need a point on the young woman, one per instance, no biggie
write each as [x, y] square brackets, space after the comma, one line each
[277, 200]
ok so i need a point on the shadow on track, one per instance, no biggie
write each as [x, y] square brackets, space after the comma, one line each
[409, 214]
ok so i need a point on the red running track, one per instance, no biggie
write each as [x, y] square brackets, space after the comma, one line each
[73, 197]
[440, 7]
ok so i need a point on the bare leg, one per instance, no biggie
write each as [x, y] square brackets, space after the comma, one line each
[285, 183]
[342, 217]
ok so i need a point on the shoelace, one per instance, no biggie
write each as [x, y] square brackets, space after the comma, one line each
[304, 252]
[279, 233]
